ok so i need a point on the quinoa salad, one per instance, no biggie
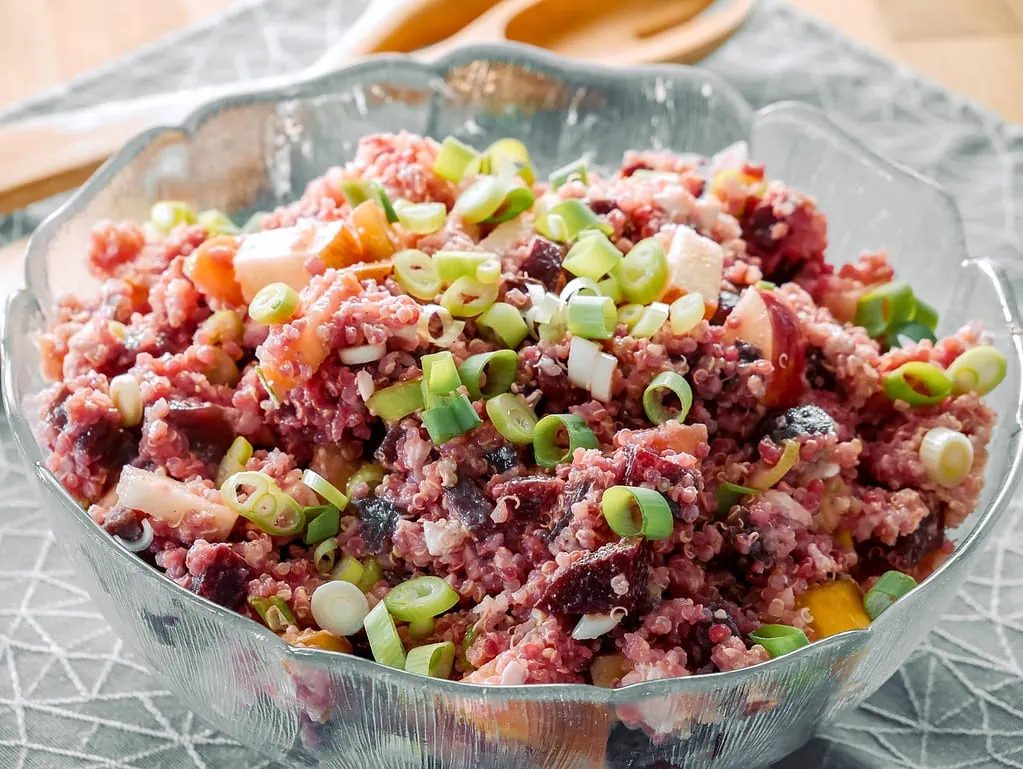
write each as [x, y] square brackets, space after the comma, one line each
[447, 414]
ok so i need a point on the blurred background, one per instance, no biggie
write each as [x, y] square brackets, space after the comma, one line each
[971, 46]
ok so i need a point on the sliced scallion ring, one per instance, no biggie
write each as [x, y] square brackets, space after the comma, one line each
[434, 660]
[508, 158]
[886, 306]
[452, 415]
[452, 265]
[650, 321]
[325, 489]
[396, 401]
[437, 326]
[730, 494]
[324, 555]
[650, 174]
[348, 570]
[557, 436]
[489, 271]
[420, 597]
[371, 574]
[767, 477]
[577, 286]
[629, 314]
[666, 384]
[467, 297]
[339, 607]
[421, 628]
[384, 641]
[909, 332]
[237, 456]
[322, 523]
[275, 303]
[489, 373]
[577, 216]
[481, 199]
[516, 200]
[265, 505]
[370, 474]
[610, 287]
[361, 190]
[592, 317]
[925, 315]
[440, 375]
[454, 159]
[947, 456]
[632, 510]
[979, 369]
[421, 218]
[917, 383]
[594, 257]
[577, 169]
[889, 588]
[644, 275]
[502, 323]
[685, 313]
[512, 417]
[779, 639]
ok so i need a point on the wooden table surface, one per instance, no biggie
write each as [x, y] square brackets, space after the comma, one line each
[971, 46]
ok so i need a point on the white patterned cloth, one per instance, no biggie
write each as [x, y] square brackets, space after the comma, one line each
[72, 698]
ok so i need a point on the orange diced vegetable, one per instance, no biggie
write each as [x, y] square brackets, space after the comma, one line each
[330, 462]
[607, 669]
[372, 270]
[211, 268]
[317, 639]
[843, 538]
[836, 607]
[376, 236]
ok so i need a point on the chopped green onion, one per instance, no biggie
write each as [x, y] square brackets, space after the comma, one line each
[888, 589]
[269, 508]
[650, 321]
[577, 169]
[578, 286]
[947, 456]
[216, 222]
[481, 199]
[421, 218]
[270, 391]
[925, 315]
[434, 660]
[650, 175]
[370, 474]
[553, 227]
[612, 288]
[453, 415]
[644, 274]
[489, 271]
[384, 641]
[592, 317]
[234, 461]
[979, 369]
[557, 436]
[779, 639]
[766, 285]
[276, 303]
[223, 325]
[274, 612]
[349, 570]
[767, 477]
[730, 494]
[661, 385]
[417, 273]
[911, 332]
[508, 158]
[397, 401]
[512, 417]
[917, 383]
[437, 327]
[502, 323]
[324, 555]
[421, 628]
[371, 574]
[452, 265]
[324, 526]
[886, 306]
[632, 510]
[420, 597]
[593, 257]
[168, 214]
[440, 375]
[453, 159]
[517, 200]
[359, 191]
[577, 217]
[629, 314]
[325, 489]
[467, 298]
[489, 373]
[685, 313]
[340, 608]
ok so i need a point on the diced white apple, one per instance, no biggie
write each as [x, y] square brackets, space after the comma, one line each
[751, 322]
[169, 500]
[697, 265]
[279, 256]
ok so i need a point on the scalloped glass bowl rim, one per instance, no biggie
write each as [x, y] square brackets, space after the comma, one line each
[310, 86]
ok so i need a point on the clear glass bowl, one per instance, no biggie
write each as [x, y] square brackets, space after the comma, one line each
[315, 708]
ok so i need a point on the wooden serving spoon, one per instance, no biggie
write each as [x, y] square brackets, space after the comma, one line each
[45, 156]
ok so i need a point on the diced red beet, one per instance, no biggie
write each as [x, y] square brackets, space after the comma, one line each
[586, 587]
[387, 452]
[561, 513]
[206, 426]
[726, 303]
[543, 262]
[800, 240]
[225, 578]
[123, 522]
[378, 519]
[909, 550]
[643, 466]
[536, 494]
[467, 502]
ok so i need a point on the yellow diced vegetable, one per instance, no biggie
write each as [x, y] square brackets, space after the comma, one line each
[836, 607]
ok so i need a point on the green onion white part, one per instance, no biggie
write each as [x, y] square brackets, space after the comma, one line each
[142, 543]
[947, 456]
[339, 607]
[126, 394]
[979, 369]
[366, 353]
[592, 626]
[685, 313]
[578, 286]
[384, 641]
[431, 314]
[650, 321]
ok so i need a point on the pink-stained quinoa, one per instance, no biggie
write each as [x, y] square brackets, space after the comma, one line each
[526, 548]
